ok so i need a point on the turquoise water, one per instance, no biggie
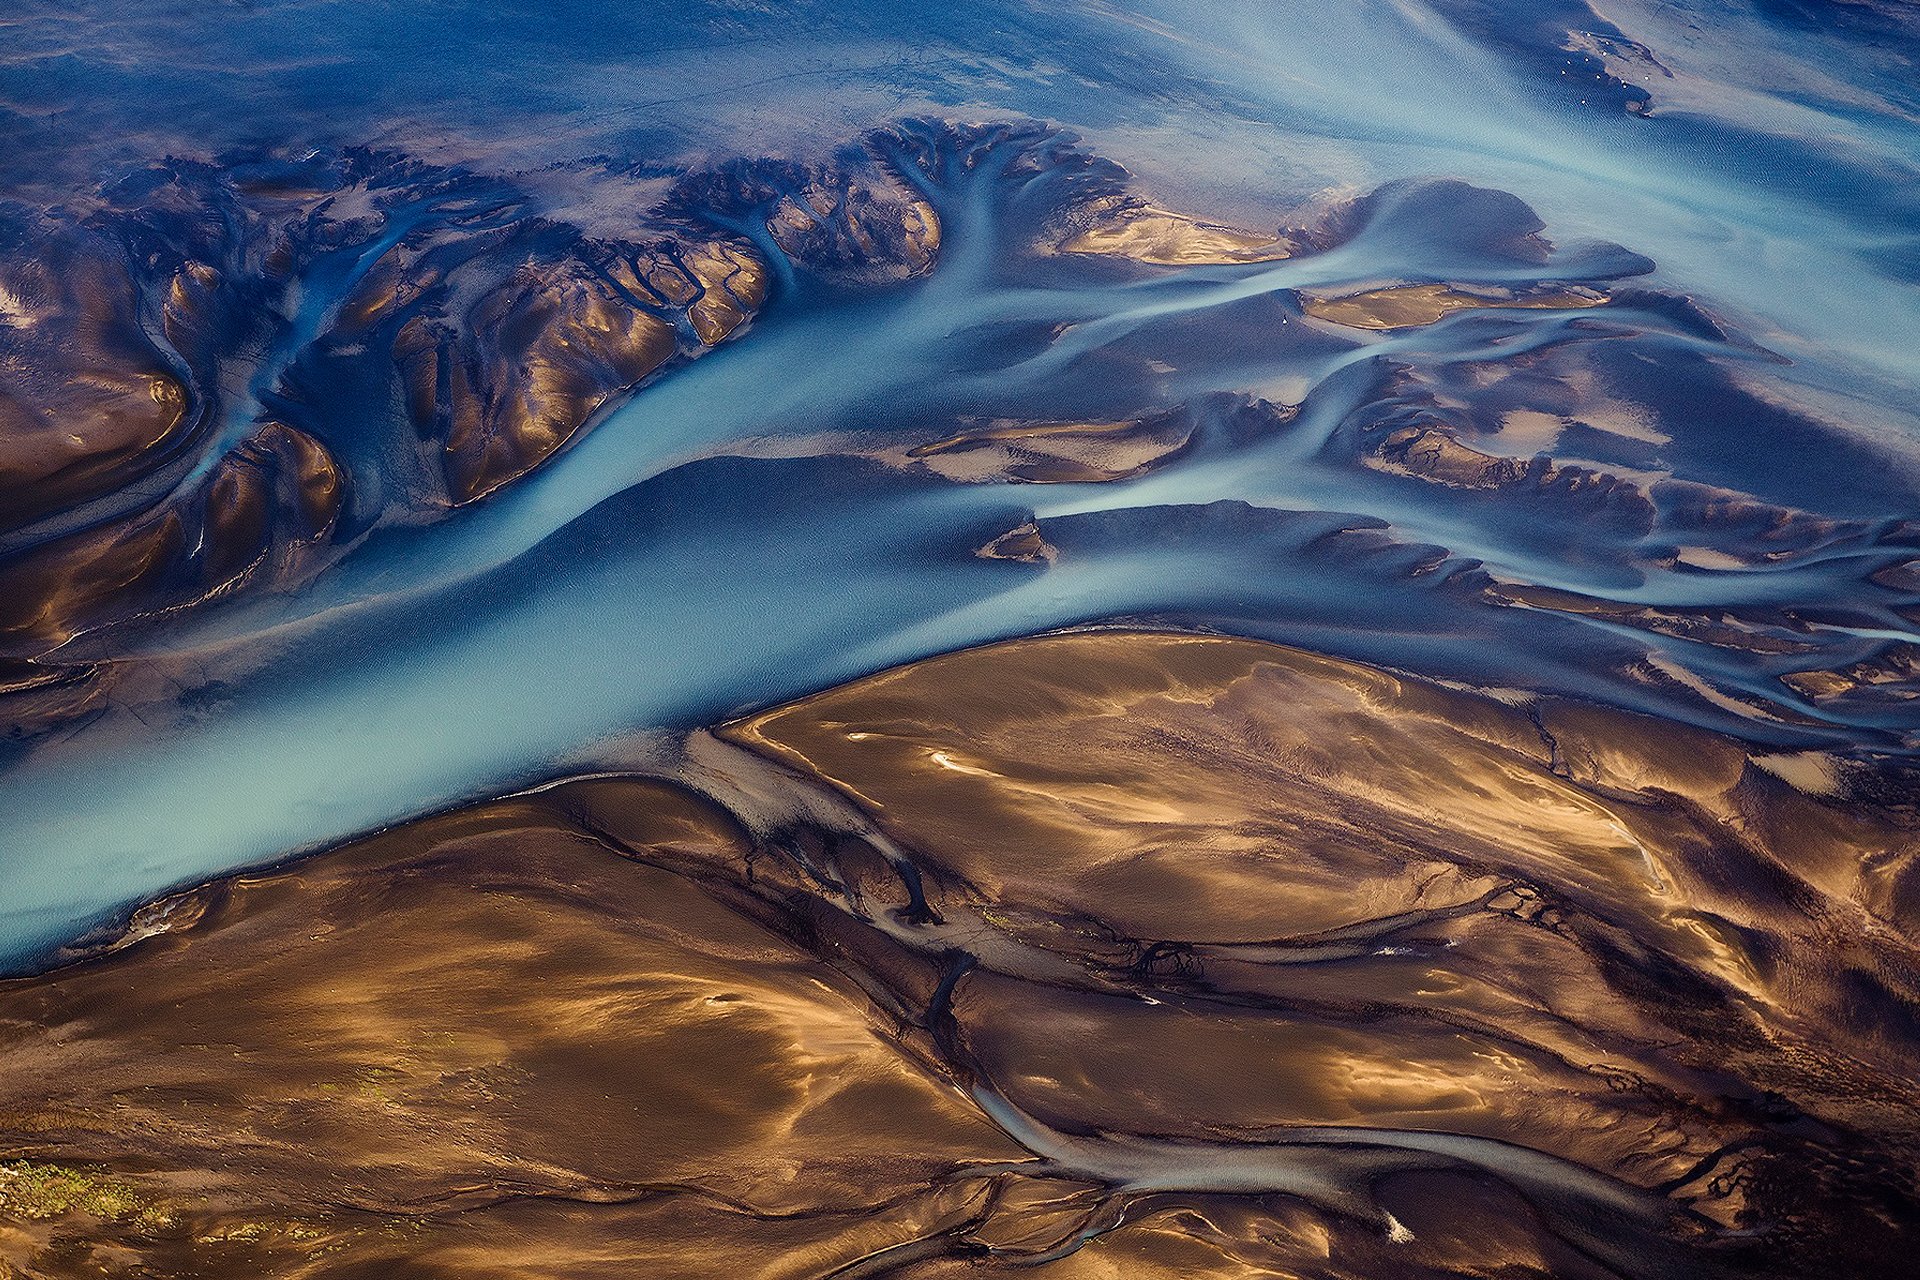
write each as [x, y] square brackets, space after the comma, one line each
[731, 537]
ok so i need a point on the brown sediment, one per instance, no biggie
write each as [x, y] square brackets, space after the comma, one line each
[853, 220]
[1023, 543]
[1430, 452]
[1890, 676]
[1056, 452]
[732, 284]
[863, 225]
[1261, 962]
[273, 497]
[41, 696]
[86, 403]
[1129, 227]
[1748, 631]
[488, 1040]
[1100, 756]
[1258, 822]
[537, 356]
[1745, 530]
[1904, 576]
[1408, 306]
[507, 337]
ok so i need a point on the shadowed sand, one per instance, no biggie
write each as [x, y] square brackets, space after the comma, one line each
[1111, 953]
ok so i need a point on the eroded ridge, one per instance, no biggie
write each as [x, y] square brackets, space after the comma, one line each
[333, 380]
[1096, 953]
[431, 334]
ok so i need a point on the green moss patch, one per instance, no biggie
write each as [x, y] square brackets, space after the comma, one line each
[32, 1189]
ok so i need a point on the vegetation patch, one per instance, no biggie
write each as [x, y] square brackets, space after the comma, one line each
[32, 1189]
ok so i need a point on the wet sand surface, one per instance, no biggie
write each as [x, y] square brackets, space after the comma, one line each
[1108, 953]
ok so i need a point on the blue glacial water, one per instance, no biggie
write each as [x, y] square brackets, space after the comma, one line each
[744, 530]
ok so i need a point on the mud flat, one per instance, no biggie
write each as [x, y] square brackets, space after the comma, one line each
[1108, 953]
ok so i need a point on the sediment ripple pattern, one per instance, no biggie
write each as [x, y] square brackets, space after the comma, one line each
[1101, 953]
